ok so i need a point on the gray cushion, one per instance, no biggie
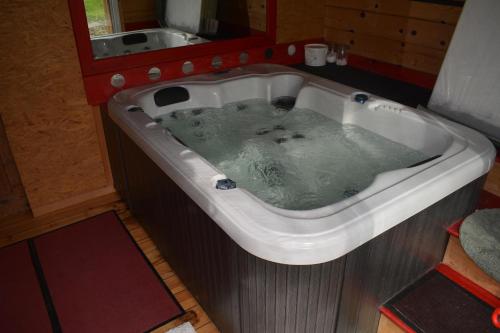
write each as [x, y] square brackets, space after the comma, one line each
[480, 238]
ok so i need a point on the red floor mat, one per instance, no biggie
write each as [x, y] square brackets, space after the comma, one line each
[435, 304]
[22, 307]
[99, 281]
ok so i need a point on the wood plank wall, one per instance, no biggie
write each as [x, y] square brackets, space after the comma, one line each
[134, 11]
[51, 129]
[413, 34]
[300, 20]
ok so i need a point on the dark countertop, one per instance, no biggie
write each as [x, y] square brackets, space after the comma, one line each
[401, 92]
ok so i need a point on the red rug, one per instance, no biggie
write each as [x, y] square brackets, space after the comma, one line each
[22, 307]
[98, 280]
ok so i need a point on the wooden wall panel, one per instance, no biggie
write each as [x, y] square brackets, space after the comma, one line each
[405, 8]
[49, 125]
[387, 50]
[134, 11]
[424, 33]
[300, 20]
[12, 197]
[257, 13]
[413, 34]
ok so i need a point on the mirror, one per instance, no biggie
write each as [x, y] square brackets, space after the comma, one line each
[123, 27]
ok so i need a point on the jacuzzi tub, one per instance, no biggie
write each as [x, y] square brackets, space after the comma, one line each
[255, 267]
[326, 233]
[124, 43]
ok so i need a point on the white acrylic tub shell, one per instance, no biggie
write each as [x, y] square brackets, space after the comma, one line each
[317, 235]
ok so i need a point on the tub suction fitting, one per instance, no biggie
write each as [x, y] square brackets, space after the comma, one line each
[284, 102]
[225, 184]
[361, 98]
[135, 109]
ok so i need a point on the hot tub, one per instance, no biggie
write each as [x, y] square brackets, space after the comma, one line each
[124, 43]
[278, 267]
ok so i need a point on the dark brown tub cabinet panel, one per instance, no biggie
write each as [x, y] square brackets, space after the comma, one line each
[379, 269]
[112, 135]
[243, 293]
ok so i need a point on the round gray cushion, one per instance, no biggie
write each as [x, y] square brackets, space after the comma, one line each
[480, 238]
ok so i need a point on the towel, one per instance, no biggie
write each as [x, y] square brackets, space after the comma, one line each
[184, 328]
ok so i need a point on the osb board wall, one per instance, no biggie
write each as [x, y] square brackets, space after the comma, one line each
[257, 13]
[300, 20]
[12, 198]
[413, 34]
[50, 127]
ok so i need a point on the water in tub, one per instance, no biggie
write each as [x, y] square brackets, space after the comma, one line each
[291, 158]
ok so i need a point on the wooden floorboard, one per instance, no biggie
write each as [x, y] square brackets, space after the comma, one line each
[22, 227]
[493, 181]
[456, 258]
[385, 325]
[26, 226]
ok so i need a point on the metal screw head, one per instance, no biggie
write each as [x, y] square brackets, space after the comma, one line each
[291, 50]
[117, 80]
[216, 62]
[154, 73]
[244, 57]
[187, 67]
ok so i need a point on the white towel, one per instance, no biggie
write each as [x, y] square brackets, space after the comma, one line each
[184, 328]
[469, 81]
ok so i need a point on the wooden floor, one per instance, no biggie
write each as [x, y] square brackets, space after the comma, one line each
[22, 227]
[493, 182]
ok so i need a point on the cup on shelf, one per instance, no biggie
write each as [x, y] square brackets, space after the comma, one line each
[315, 54]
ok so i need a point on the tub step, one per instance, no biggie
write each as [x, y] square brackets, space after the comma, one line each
[441, 301]
[456, 258]
[486, 200]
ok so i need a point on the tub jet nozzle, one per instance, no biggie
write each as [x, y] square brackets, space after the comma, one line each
[361, 98]
[225, 184]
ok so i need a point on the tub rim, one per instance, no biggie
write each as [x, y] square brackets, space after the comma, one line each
[294, 241]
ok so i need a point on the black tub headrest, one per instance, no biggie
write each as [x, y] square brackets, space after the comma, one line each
[171, 95]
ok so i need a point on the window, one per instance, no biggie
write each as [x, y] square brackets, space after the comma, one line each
[97, 17]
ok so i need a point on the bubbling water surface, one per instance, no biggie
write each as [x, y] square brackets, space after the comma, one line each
[292, 158]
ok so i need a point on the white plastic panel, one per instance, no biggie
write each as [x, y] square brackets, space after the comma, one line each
[468, 86]
[329, 104]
